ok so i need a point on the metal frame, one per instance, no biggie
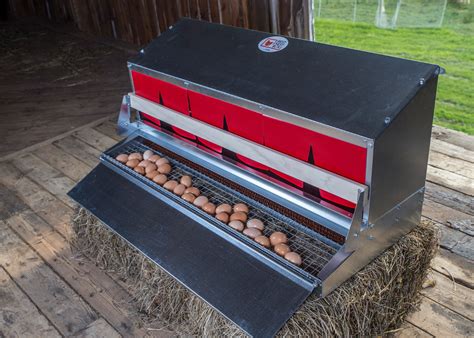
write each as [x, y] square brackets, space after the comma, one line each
[313, 175]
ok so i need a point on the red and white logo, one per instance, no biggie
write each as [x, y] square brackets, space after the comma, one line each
[273, 44]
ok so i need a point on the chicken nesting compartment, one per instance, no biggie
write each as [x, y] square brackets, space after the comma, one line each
[325, 144]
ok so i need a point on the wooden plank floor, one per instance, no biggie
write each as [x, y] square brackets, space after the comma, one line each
[51, 83]
[47, 290]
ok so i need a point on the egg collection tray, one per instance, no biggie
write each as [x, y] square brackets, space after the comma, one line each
[315, 249]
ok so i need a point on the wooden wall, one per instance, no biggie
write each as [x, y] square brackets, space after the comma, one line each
[138, 21]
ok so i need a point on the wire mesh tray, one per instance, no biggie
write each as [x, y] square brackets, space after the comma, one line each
[314, 249]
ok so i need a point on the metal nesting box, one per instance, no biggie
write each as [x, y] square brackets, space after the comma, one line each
[326, 145]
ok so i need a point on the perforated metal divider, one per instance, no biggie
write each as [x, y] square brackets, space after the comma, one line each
[314, 249]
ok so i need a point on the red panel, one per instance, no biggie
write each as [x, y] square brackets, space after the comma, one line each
[146, 86]
[288, 139]
[341, 158]
[152, 119]
[249, 125]
[173, 97]
[209, 110]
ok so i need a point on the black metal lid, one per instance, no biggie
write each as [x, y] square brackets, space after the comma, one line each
[355, 91]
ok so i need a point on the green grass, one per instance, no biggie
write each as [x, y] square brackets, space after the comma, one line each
[450, 47]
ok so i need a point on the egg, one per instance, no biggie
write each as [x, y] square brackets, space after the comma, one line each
[122, 158]
[132, 163]
[263, 240]
[144, 163]
[170, 185]
[188, 197]
[281, 249]
[241, 207]
[161, 161]
[252, 232]
[293, 257]
[224, 208]
[193, 190]
[164, 168]
[160, 179]
[186, 180]
[139, 170]
[200, 201]
[255, 223]
[278, 237]
[237, 225]
[135, 156]
[239, 216]
[210, 208]
[147, 154]
[179, 189]
[151, 175]
[150, 167]
[154, 158]
[223, 217]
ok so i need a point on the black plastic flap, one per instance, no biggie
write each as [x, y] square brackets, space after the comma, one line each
[252, 293]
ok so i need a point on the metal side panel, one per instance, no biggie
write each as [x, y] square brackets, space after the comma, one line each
[256, 295]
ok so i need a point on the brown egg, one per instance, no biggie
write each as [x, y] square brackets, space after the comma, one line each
[278, 237]
[144, 163]
[147, 154]
[237, 225]
[160, 179]
[151, 167]
[122, 158]
[164, 168]
[193, 190]
[132, 163]
[179, 189]
[239, 216]
[200, 201]
[252, 232]
[255, 223]
[188, 197]
[281, 249]
[210, 208]
[263, 240]
[241, 207]
[186, 180]
[151, 175]
[135, 156]
[139, 170]
[224, 208]
[170, 185]
[154, 158]
[223, 217]
[161, 161]
[293, 257]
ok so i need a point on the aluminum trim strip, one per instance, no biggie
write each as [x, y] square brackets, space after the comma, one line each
[255, 106]
[313, 175]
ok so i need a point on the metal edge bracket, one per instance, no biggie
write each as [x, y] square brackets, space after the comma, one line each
[125, 118]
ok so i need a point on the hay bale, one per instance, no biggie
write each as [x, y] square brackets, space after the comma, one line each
[374, 301]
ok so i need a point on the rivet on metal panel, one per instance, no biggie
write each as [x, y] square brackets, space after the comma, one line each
[186, 83]
[387, 120]
[370, 144]
[422, 81]
[129, 65]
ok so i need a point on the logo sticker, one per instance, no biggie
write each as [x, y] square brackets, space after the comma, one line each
[273, 44]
